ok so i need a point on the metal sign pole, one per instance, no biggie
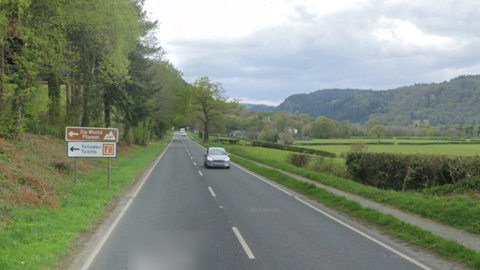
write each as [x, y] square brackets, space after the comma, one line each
[109, 172]
[76, 166]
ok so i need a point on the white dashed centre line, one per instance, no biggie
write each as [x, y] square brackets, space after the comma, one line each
[211, 191]
[200, 173]
[243, 243]
[194, 163]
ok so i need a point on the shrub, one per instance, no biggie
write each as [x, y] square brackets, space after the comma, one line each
[409, 172]
[293, 149]
[328, 166]
[226, 141]
[359, 147]
[200, 134]
[297, 159]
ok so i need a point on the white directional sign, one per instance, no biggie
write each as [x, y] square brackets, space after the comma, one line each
[92, 150]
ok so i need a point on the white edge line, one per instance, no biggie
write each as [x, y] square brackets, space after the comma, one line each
[366, 236]
[243, 243]
[99, 246]
[258, 177]
[200, 173]
[211, 191]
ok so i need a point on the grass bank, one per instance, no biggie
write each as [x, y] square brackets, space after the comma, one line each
[38, 235]
[387, 223]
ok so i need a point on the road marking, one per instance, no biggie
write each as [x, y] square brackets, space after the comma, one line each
[243, 243]
[191, 158]
[200, 173]
[194, 163]
[99, 246]
[211, 191]
[258, 177]
[366, 236]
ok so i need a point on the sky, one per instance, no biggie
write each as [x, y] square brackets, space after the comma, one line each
[263, 51]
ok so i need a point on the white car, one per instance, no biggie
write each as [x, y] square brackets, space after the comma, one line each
[216, 157]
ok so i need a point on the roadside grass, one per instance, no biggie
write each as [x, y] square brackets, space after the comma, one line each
[458, 211]
[388, 223]
[41, 237]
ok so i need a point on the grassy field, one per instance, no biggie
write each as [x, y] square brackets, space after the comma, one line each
[448, 149]
[40, 236]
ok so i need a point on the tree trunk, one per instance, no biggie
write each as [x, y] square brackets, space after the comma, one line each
[86, 113]
[67, 101]
[2, 70]
[107, 108]
[54, 96]
[205, 136]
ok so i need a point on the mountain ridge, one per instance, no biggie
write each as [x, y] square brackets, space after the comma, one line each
[454, 102]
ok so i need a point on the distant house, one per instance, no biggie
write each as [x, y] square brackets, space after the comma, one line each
[293, 130]
[237, 134]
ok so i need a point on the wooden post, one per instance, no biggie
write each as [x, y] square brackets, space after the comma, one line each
[76, 166]
[109, 165]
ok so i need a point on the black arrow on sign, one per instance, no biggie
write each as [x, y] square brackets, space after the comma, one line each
[73, 149]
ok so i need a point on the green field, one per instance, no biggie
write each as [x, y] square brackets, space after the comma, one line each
[413, 140]
[448, 149]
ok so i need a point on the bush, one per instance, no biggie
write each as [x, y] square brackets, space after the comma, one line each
[293, 149]
[359, 147]
[299, 160]
[200, 134]
[409, 172]
[226, 141]
[328, 166]
[464, 186]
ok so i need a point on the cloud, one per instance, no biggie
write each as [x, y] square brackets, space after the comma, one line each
[376, 44]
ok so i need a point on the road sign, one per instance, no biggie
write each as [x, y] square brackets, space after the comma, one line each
[87, 134]
[92, 150]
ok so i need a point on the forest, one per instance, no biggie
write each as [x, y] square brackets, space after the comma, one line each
[435, 104]
[84, 63]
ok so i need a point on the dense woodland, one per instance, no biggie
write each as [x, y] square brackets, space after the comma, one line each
[447, 103]
[84, 63]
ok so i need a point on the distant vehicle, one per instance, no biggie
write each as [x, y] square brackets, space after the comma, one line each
[216, 157]
[184, 134]
[182, 130]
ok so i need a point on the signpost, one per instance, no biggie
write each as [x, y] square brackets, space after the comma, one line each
[87, 142]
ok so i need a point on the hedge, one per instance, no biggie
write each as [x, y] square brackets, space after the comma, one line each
[293, 149]
[409, 172]
[225, 140]
[439, 143]
[349, 143]
[431, 138]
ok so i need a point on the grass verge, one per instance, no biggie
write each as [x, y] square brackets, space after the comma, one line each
[41, 237]
[388, 223]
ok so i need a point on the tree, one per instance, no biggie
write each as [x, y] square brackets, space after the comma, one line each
[323, 128]
[285, 137]
[344, 130]
[378, 132]
[209, 102]
[370, 124]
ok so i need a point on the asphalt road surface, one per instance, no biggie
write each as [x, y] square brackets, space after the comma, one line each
[188, 217]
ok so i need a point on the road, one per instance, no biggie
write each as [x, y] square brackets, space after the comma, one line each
[232, 219]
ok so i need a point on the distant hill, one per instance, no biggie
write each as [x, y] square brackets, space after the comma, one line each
[258, 107]
[448, 103]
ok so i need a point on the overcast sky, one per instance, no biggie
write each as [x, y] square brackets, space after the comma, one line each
[263, 51]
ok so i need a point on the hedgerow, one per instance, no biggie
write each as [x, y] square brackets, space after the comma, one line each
[409, 172]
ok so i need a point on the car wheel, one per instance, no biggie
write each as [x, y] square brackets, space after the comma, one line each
[228, 167]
